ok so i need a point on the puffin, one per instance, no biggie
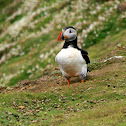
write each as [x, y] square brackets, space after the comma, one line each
[72, 60]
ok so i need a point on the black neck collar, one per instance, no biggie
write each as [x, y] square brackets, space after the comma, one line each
[72, 43]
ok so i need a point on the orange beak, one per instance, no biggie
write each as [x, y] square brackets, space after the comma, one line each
[59, 37]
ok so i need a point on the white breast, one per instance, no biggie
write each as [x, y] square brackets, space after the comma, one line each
[70, 62]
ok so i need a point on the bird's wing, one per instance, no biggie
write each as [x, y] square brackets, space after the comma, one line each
[85, 56]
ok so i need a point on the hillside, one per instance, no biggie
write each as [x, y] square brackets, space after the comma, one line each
[29, 32]
[32, 89]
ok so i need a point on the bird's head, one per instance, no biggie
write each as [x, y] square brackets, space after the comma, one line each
[68, 34]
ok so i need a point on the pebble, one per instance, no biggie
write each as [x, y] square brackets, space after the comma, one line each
[16, 115]
[45, 113]
[104, 91]
[9, 113]
[108, 85]
[84, 102]
[18, 120]
[114, 91]
[91, 101]
[3, 103]
[85, 106]
[72, 95]
[117, 99]
[121, 85]
[65, 105]
[82, 90]
[77, 104]
[10, 122]
[21, 107]
[73, 99]
[26, 101]
[116, 75]
[114, 86]
[80, 96]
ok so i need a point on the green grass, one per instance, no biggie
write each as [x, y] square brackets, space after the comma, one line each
[18, 17]
[98, 105]
[5, 3]
[33, 47]
[97, 51]
[101, 100]
[9, 11]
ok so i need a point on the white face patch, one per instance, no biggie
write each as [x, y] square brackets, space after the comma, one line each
[70, 33]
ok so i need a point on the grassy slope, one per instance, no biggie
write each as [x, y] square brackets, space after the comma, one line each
[99, 50]
[31, 42]
[43, 101]
[91, 103]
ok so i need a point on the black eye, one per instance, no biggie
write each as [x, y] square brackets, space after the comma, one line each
[70, 31]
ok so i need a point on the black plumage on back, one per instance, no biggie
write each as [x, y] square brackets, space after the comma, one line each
[85, 55]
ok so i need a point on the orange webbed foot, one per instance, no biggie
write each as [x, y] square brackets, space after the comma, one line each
[68, 82]
[82, 81]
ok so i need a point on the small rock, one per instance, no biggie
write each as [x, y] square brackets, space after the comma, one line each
[21, 107]
[3, 103]
[82, 90]
[85, 106]
[9, 88]
[108, 85]
[121, 85]
[91, 101]
[72, 95]
[26, 101]
[114, 86]
[45, 113]
[92, 106]
[57, 82]
[104, 91]
[73, 99]
[9, 113]
[117, 99]
[95, 102]
[33, 101]
[64, 101]
[84, 102]
[77, 104]
[18, 120]
[34, 114]
[65, 105]
[10, 122]
[16, 115]
[80, 96]
[37, 111]
[116, 75]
